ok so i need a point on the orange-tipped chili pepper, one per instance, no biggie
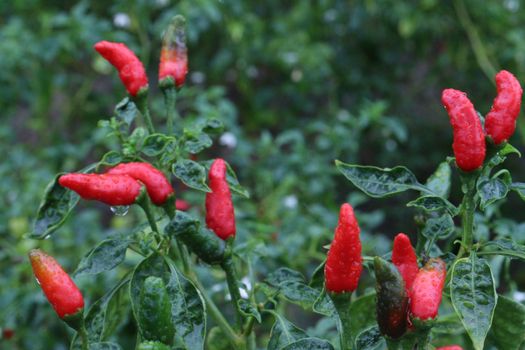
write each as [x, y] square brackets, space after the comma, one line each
[174, 54]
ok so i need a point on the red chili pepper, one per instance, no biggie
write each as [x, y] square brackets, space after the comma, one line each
[344, 262]
[157, 185]
[469, 139]
[174, 54]
[106, 188]
[130, 69]
[404, 258]
[427, 289]
[8, 333]
[182, 205]
[58, 287]
[501, 120]
[450, 347]
[220, 216]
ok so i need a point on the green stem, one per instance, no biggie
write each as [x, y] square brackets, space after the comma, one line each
[142, 103]
[233, 286]
[468, 208]
[170, 99]
[82, 332]
[342, 303]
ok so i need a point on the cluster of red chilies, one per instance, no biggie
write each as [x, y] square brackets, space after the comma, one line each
[469, 137]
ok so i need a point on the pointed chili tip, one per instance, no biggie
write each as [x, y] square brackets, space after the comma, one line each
[218, 169]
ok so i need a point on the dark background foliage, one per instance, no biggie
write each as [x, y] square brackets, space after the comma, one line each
[297, 84]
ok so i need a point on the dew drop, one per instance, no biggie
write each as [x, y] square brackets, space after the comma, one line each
[120, 210]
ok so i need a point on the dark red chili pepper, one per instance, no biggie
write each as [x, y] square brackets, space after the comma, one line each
[106, 188]
[450, 347]
[469, 138]
[157, 185]
[174, 54]
[501, 120]
[8, 333]
[58, 287]
[220, 216]
[404, 258]
[427, 288]
[130, 69]
[344, 262]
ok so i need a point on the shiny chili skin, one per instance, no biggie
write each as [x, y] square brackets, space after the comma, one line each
[450, 347]
[60, 290]
[157, 185]
[469, 139]
[500, 122]
[344, 262]
[404, 258]
[106, 188]
[174, 54]
[427, 289]
[130, 68]
[220, 215]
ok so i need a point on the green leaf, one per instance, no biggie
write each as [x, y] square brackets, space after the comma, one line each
[509, 324]
[213, 126]
[104, 257]
[309, 344]
[105, 315]
[248, 310]
[363, 313]
[54, 209]
[154, 144]
[438, 228]
[104, 346]
[473, 296]
[323, 304]
[192, 174]
[493, 189]
[509, 149]
[111, 158]
[519, 188]
[434, 203]
[283, 333]
[439, 182]
[506, 247]
[370, 339]
[196, 141]
[126, 111]
[447, 325]
[231, 178]
[377, 182]
[293, 287]
[187, 306]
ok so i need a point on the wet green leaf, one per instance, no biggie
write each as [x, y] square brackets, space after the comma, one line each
[192, 174]
[104, 257]
[509, 324]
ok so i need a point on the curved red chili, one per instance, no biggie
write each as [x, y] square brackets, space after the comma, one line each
[427, 288]
[404, 258]
[501, 120]
[157, 185]
[174, 54]
[450, 347]
[106, 188]
[130, 69]
[60, 290]
[220, 216]
[344, 262]
[469, 138]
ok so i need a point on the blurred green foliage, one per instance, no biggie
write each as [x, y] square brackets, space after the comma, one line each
[297, 84]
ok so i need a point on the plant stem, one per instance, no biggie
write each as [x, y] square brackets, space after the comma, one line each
[342, 305]
[233, 285]
[142, 103]
[170, 99]
[83, 336]
[468, 207]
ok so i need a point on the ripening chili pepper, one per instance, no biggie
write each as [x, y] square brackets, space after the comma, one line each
[501, 120]
[157, 185]
[174, 54]
[469, 138]
[106, 188]
[404, 258]
[450, 347]
[392, 299]
[201, 241]
[130, 69]
[8, 333]
[427, 288]
[344, 262]
[220, 215]
[56, 284]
